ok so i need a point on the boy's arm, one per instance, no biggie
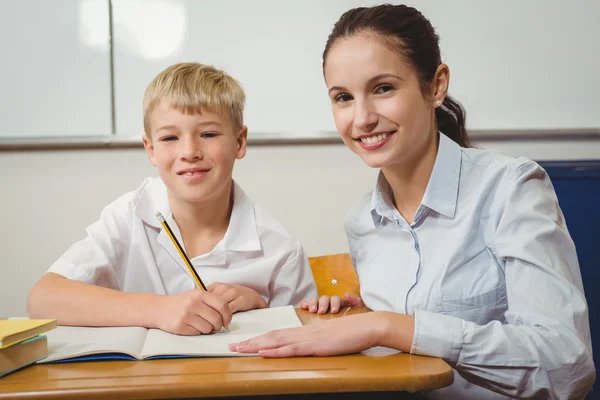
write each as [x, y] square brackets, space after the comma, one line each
[76, 303]
[86, 272]
[83, 286]
[293, 281]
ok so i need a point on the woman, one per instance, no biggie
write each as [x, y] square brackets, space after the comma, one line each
[462, 253]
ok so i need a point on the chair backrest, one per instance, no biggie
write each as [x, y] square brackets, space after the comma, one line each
[334, 275]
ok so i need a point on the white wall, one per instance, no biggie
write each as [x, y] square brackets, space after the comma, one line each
[49, 197]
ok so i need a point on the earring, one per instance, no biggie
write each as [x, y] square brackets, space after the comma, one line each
[438, 103]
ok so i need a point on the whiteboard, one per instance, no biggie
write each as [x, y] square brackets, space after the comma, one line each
[55, 68]
[515, 65]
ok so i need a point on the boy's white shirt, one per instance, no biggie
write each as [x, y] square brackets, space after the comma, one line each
[127, 249]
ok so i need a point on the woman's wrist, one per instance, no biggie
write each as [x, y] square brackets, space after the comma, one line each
[393, 330]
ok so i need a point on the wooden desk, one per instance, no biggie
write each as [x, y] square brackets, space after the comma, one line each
[216, 377]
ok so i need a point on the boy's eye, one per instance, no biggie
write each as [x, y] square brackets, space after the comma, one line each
[342, 98]
[168, 138]
[208, 135]
[383, 88]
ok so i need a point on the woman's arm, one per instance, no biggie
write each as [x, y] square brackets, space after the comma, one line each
[344, 335]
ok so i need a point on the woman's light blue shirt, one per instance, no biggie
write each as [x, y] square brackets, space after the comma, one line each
[489, 271]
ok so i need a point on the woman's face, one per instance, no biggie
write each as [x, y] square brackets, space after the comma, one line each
[377, 103]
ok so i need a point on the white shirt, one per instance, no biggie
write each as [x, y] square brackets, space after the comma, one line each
[489, 271]
[128, 250]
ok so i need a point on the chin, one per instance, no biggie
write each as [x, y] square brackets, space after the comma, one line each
[376, 162]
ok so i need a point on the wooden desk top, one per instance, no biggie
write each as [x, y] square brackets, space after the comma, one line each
[212, 377]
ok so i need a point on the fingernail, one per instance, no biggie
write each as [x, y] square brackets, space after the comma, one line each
[313, 308]
[233, 346]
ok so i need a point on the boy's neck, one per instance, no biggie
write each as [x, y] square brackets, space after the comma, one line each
[203, 224]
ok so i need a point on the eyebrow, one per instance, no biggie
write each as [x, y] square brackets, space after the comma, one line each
[370, 81]
[200, 125]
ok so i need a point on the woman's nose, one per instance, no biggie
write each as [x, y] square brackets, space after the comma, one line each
[365, 119]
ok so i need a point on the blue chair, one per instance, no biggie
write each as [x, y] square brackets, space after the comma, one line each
[577, 185]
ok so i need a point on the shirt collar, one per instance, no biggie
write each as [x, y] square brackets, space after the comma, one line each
[382, 205]
[242, 232]
[442, 190]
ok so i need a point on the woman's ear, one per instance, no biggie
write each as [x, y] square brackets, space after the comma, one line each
[440, 83]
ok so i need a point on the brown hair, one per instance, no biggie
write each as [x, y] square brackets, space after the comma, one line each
[191, 87]
[406, 30]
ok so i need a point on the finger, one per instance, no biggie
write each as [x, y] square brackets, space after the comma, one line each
[336, 303]
[265, 341]
[236, 304]
[313, 305]
[304, 305]
[291, 350]
[227, 293]
[211, 316]
[353, 301]
[217, 288]
[217, 304]
[201, 325]
[323, 304]
[185, 329]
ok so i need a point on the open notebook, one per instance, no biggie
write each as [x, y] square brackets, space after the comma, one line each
[68, 343]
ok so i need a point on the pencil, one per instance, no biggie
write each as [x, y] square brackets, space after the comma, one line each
[187, 261]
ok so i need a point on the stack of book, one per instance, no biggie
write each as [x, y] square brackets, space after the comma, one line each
[22, 342]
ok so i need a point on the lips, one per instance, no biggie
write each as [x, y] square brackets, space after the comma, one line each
[193, 171]
[374, 141]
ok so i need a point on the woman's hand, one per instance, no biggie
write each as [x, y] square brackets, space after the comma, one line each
[239, 298]
[342, 335]
[333, 304]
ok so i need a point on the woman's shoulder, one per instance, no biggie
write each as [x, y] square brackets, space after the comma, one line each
[485, 165]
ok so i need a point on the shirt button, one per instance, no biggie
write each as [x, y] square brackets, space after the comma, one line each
[334, 281]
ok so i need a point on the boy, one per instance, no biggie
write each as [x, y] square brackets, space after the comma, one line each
[128, 272]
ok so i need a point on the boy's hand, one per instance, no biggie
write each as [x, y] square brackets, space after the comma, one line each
[239, 298]
[192, 313]
[334, 304]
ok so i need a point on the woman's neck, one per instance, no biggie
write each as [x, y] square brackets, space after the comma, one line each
[409, 179]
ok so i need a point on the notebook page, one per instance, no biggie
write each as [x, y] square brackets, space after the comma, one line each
[245, 325]
[72, 341]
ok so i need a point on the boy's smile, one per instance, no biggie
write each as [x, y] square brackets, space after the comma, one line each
[193, 174]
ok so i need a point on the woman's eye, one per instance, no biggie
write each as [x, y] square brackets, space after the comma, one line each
[342, 98]
[383, 88]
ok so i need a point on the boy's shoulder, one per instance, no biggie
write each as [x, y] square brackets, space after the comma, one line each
[269, 231]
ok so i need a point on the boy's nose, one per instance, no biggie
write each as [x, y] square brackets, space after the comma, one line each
[192, 151]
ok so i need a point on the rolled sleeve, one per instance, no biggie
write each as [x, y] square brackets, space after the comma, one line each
[437, 335]
[93, 259]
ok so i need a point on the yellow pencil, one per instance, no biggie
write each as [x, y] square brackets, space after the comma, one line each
[182, 253]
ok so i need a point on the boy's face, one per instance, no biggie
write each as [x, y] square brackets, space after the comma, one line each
[194, 154]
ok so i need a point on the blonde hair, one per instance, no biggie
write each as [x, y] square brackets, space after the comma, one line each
[191, 87]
